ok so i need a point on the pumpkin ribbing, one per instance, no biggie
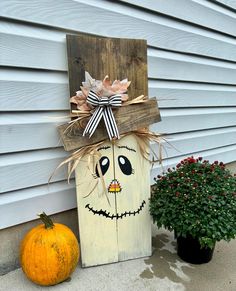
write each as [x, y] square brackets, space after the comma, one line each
[49, 255]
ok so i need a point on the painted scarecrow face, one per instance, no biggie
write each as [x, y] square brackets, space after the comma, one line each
[121, 174]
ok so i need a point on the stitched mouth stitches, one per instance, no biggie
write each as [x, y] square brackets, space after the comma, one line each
[117, 216]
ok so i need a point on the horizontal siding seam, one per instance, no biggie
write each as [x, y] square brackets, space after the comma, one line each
[203, 126]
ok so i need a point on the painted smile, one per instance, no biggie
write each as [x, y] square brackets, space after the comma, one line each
[117, 216]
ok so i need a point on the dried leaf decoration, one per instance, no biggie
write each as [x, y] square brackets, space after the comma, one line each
[103, 88]
[106, 88]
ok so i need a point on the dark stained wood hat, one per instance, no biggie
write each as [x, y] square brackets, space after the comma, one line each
[118, 58]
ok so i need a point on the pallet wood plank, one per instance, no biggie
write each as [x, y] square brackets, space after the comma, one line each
[99, 220]
[98, 235]
[128, 118]
[101, 56]
[133, 230]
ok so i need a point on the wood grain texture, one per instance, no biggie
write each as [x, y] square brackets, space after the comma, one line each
[100, 56]
[99, 219]
[118, 58]
[120, 230]
[133, 230]
[98, 234]
[128, 118]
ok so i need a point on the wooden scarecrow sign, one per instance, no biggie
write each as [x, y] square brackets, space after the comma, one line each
[110, 139]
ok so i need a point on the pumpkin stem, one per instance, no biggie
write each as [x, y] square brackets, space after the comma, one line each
[46, 220]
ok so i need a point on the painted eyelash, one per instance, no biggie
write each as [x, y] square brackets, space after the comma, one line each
[94, 176]
[126, 147]
[103, 148]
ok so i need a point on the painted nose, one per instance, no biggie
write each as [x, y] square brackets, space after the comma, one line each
[114, 186]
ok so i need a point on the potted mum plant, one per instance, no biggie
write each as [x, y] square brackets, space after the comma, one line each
[197, 200]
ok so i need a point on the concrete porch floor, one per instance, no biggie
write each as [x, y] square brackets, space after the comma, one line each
[163, 271]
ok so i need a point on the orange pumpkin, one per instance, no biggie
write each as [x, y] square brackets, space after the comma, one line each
[49, 252]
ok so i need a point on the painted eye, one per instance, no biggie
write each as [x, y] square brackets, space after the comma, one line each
[125, 165]
[104, 165]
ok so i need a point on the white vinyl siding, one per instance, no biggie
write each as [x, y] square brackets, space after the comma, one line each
[191, 70]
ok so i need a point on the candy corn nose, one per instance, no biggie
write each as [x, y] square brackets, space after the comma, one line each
[114, 186]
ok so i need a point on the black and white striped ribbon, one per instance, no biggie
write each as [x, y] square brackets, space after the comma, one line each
[103, 109]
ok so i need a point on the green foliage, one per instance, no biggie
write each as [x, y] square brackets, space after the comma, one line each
[196, 198]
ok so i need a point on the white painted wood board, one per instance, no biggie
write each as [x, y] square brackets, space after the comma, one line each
[134, 230]
[98, 239]
[121, 230]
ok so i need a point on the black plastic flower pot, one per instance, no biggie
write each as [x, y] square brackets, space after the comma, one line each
[189, 250]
